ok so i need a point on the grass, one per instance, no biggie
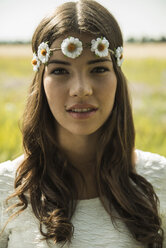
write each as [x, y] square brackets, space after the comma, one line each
[15, 75]
[150, 134]
[15, 67]
[147, 80]
[151, 71]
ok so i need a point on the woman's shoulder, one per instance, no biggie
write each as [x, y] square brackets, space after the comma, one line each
[9, 167]
[7, 174]
[150, 163]
[153, 168]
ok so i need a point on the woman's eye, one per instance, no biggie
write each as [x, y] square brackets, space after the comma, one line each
[59, 71]
[100, 69]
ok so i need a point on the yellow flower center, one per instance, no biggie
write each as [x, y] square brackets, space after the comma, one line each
[34, 62]
[71, 47]
[43, 52]
[101, 47]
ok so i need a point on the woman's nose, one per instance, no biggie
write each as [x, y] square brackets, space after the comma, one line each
[80, 87]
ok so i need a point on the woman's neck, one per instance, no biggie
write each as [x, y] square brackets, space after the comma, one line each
[79, 149]
[81, 152]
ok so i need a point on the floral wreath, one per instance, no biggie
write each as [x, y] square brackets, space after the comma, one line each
[72, 48]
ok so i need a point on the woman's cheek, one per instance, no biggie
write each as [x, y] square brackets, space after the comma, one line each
[49, 88]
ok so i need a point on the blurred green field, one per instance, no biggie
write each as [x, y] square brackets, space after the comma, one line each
[147, 82]
[15, 75]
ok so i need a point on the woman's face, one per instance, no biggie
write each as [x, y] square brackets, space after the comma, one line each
[86, 83]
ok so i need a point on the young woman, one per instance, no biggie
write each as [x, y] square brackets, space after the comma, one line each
[80, 182]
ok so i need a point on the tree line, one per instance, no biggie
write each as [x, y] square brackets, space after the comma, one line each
[143, 39]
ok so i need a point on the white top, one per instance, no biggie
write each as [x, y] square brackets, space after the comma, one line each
[92, 225]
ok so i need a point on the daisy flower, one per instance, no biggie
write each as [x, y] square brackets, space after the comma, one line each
[43, 52]
[35, 62]
[71, 47]
[119, 55]
[100, 47]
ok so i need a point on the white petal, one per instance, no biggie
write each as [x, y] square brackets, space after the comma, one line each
[119, 62]
[76, 40]
[71, 39]
[35, 68]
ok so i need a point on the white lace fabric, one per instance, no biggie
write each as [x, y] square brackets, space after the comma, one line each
[92, 224]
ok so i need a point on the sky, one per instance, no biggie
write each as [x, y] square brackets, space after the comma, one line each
[137, 18]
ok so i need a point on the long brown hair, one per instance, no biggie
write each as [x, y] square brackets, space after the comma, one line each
[46, 174]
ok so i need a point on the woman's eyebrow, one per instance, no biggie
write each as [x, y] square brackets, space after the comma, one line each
[55, 61]
[98, 61]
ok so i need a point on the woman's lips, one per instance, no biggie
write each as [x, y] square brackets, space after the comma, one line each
[82, 115]
[81, 106]
[82, 111]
